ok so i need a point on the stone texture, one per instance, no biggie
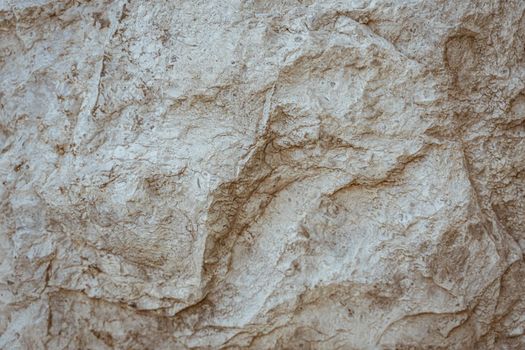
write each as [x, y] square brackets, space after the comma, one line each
[312, 174]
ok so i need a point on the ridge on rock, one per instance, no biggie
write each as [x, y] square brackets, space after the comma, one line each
[295, 174]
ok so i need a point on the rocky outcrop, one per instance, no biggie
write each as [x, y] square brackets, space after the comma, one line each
[257, 174]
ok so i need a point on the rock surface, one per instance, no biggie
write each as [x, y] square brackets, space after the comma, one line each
[312, 174]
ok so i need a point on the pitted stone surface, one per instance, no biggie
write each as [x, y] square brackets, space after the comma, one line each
[312, 174]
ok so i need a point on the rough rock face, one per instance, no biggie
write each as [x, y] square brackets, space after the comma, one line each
[312, 174]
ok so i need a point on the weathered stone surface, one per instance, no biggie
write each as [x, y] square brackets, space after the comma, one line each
[312, 174]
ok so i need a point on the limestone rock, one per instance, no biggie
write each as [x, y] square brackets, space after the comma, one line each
[309, 174]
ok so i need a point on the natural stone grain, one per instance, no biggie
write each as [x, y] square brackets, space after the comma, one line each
[262, 174]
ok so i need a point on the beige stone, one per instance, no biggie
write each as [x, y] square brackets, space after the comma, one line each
[313, 174]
